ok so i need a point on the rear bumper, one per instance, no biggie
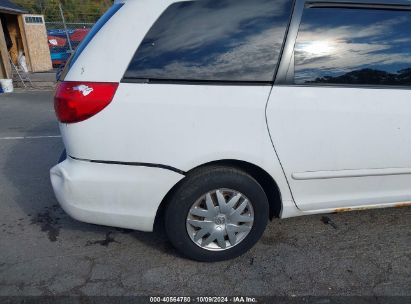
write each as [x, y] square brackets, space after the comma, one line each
[111, 195]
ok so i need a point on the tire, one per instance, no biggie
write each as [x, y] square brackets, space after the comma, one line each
[215, 183]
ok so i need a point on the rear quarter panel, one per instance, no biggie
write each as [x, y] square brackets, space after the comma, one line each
[183, 126]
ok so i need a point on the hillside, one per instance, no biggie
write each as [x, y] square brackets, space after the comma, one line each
[369, 76]
[74, 10]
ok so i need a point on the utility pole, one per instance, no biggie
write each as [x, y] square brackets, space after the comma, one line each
[65, 27]
[40, 4]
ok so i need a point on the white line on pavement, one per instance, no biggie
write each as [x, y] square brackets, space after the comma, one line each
[29, 137]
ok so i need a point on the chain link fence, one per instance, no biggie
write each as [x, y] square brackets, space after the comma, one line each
[67, 26]
[67, 22]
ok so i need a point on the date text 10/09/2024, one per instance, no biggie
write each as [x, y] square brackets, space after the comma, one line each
[203, 300]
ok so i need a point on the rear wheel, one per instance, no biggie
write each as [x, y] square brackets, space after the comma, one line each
[216, 214]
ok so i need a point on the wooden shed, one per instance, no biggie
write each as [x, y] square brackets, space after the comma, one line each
[22, 34]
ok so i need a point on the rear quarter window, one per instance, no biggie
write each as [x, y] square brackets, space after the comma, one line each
[214, 40]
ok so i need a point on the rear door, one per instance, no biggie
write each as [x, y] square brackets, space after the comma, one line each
[340, 115]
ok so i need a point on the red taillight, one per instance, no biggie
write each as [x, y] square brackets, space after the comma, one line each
[78, 101]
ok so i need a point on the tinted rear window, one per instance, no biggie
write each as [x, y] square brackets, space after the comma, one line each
[354, 47]
[214, 40]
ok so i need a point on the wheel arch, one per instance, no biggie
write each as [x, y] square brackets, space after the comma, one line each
[266, 181]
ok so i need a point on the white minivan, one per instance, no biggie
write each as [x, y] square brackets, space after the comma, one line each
[215, 116]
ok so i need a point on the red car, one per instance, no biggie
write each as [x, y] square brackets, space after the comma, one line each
[59, 47]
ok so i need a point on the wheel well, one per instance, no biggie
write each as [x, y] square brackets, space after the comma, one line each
[268, 184]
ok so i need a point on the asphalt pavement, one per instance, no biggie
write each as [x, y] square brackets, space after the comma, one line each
[45, 252]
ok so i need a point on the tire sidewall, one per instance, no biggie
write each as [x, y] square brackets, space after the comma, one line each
[197, 186]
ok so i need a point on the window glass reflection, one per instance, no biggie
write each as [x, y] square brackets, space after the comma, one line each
[228, 40]
[354, 46]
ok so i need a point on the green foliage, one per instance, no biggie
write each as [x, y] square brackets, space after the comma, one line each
[74, 10]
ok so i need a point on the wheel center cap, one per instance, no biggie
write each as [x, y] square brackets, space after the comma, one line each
[220, 220]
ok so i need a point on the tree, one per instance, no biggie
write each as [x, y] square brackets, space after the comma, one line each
[74, 10]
